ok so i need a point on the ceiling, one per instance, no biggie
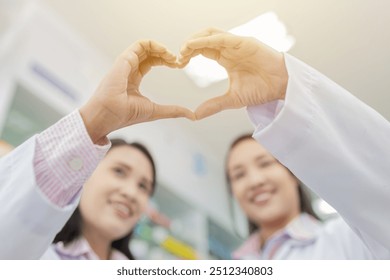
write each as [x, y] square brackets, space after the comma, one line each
[345, 40]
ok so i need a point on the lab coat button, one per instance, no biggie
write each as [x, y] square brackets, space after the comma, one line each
[76, 164]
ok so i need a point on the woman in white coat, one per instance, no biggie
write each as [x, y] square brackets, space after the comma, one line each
[41, 180]
[282, 223]
[331, 141]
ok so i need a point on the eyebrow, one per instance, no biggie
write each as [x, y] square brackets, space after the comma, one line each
[239, 166]
[121, 163]
[143, 178]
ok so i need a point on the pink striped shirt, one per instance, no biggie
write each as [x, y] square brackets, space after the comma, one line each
[64, 159]
[299, 232]
[78, 249]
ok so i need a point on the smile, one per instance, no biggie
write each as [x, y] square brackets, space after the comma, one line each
[123, 210]
[262, 198]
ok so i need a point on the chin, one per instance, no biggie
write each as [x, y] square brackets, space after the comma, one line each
[118, 234]
[118, 231]
[267, 217]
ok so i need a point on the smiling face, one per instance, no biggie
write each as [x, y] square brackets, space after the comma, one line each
[265, 189]
[117, 194]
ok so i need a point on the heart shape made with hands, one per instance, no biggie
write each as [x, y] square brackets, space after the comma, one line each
[257, 74]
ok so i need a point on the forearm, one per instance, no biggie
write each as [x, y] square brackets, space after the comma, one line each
[40, 184]
[335, 144]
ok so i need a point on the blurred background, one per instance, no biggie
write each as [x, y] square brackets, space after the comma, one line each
[53, 54]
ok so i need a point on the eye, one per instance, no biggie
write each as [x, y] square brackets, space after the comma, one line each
[119, 171]
[145, 187]
[237, 175]
[266, 163]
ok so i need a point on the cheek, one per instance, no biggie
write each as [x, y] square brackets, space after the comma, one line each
[282, 177]
[288, 195]
[143, 203]
[94, 197]
[238, 192]
[87, 210]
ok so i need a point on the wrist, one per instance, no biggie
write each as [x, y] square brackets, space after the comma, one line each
[283, 79]
[95, 121]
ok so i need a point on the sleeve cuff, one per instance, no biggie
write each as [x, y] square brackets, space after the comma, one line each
[64, 159]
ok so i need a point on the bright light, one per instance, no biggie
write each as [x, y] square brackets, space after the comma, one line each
[324, 207]
[266, 28]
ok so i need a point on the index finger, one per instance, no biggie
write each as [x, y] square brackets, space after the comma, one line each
[218, 41]
[145, 49]
[205, 33]
[215, 105]
[210, 47]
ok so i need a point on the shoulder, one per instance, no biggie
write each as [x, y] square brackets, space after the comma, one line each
[117, 255]
[338, 233]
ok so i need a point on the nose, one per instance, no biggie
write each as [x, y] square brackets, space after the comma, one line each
[256, 178]
[130, 191]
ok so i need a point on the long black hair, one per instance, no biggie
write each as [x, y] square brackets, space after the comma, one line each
[304, 197]
[73, 227]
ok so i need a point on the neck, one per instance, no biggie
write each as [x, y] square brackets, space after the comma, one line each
[98, 243]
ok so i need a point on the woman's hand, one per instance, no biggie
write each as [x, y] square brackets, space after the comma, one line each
[257, 73]
[118, 101]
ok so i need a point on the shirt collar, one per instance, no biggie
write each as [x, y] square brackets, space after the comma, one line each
[80, 249]
[302, 230]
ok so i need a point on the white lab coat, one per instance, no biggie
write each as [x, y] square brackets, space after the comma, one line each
[28, 220]
[337, 146]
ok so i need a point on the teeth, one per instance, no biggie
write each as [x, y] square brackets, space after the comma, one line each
[262, 197]
[122, 208]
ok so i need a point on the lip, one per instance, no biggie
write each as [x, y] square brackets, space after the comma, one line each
[261, 196]
[122, 209]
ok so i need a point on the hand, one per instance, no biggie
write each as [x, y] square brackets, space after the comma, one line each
[257, 73]
[118, 102]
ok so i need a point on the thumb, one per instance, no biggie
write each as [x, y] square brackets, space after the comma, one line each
[171, 111]
[215, 105]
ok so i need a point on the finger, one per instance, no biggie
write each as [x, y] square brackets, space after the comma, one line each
[218, 41]
[209, 53]
[208, 46]
[145, 54]
[186, 53]
[154, 61]
[184, 60]
[122, 68]
[144, 49]
[206, 32]
[152, 48]
[189, 53]
[215, 105]
[141, 50]
[171, 111]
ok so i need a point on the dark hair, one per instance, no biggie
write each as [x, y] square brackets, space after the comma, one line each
[304, 197]
[73, 227]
